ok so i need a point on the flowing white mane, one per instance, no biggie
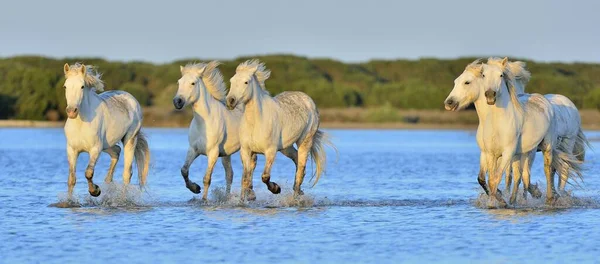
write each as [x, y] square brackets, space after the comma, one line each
[211, 76]
[517, 70]
[92, 78]
[257, 68]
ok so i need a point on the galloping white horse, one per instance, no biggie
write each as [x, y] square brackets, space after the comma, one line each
[274, 123]
[468, 89]
[97, 122]
[566, 116]
[214, 130]
[517, 126]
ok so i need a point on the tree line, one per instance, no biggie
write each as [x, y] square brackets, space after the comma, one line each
[31, 86]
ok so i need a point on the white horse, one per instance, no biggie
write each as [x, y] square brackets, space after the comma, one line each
[272, 124]
[517, 126]
[566, 116]
[469, 89]
[97, 122]
[214, 130]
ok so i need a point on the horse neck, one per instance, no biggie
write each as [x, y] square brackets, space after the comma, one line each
[255, 107]
[203, 105]
[504, 109]
[89, 105]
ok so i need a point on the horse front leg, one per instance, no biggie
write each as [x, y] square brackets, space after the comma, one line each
[226, 161]
[482, 173]
[496, 176]
[192, 154]
[516, 170]
[266, 176]
[527, 161]
[114, 152]
[212, 160]
[249, 164]
[72, 156]
[89, 172]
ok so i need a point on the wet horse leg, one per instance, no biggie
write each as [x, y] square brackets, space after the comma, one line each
[266, 176]
[114, 152]
[89, 172]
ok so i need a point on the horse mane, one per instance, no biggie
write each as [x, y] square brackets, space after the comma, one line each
[92, 77]
[259, 70]
[517, 69]
[475, 67]
[211, 76]
[510, 80]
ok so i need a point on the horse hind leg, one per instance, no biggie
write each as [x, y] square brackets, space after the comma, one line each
[226, 161]
[266, 176]
[303, 152]
[516, 170]
[114, 152]
[569, 145]
[129, 156]
[89, 172]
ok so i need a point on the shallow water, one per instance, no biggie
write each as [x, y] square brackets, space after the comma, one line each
[392, 196]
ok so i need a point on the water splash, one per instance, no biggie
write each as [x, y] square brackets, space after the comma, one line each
[113, 195]
[564, 201]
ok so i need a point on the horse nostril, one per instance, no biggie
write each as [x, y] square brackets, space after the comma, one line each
[230, 100]
[490, 93]
[177, 102]
[449, 102]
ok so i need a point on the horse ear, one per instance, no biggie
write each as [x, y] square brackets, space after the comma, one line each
[181, 69]
[66, 68]
[201, 71]
[504, 61]
[83, 69]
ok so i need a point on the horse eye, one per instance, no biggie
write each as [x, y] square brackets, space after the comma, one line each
[483, 75]
[64, 86]
[193, 83]
[501, 75]
[245, 82]
[82, 87]
[467, 83]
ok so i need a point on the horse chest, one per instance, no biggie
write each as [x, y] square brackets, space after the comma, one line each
[81, 137]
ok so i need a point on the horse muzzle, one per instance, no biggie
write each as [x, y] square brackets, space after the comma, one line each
[231, 103]
[490, 97]
[72, 112]
[178, 103]
[450, 104]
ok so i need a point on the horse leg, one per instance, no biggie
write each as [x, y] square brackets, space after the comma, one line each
[516, 169]
[496, 175]
[192, 154]
[72, 156]
[303, 152]
[549, 171]
[226, 161]
[482, 172]
[509, 178]
[266, 176]
[533, 189]
[89, 172]
[129, 155]
[212, 160]
[249, 164]
[114, 152]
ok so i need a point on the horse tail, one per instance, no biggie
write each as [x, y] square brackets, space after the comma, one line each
[581, 143]
[567, 164]
[317, 152]
[142, 158]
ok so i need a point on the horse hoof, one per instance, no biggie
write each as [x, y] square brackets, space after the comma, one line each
[274, 188]
[535, 191]
[298, 193]
[96, 192]
[250, 195]
[195, 188]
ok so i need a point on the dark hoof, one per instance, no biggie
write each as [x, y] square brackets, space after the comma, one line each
[534, 190]
[550, 201]
[298, 193]
[96, 192]
[195, 188]
[274, 188]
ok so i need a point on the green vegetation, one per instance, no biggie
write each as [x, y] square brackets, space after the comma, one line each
[31, 87]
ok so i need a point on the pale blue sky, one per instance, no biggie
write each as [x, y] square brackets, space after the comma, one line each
[162, 31]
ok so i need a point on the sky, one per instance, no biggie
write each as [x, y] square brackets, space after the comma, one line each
[351, 31]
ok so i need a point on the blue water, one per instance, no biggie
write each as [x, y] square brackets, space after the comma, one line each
[392, 196]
